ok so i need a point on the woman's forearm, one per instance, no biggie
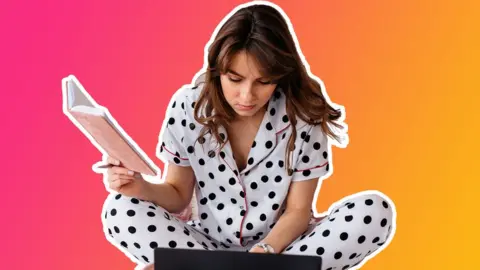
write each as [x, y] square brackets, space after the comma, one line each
[166, 196]
[288, 228]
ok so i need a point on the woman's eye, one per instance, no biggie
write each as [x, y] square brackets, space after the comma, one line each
[266, 82]
[233, 80]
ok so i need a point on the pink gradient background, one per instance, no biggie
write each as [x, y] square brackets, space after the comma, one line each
[407, 73]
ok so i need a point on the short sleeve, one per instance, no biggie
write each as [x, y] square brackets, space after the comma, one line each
[314, 155]
[170, 146]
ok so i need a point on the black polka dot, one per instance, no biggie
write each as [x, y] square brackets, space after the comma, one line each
[326, 233]
[221, 167]
[254, 144]
[172, 244]
[171, 121]
[254, 203]
[204, 216]
[118, 196]
[361, 239]
[269, 164]
[222, 154]
[343, 236]
[350, 205]
[303, 248]
[316, 146]
[352, 256]
[222, 188]
[152, 228]
[130, 213]
[249, 226]
[264, 179]
[383, 223]
[242, 194]
[190, 244]
[171, 228]
[113, 212]
[272, 111]
[285, 118]
[203, 201]
[271, 195]
[250, 161]
[201, 162]
[229, 221]
[184, 122]
[305, 159]
[153, 244]
[206, 231]
[345, 267]
[116, 229]
[145, 258]
[275, 206]
[123, 243]
[303, 135]
[137, 245]
[337, 255]
[233, 200]
[306, 172]
[211, 175]
[348, 218]
[375, 240]
[385, 204]
[312, 234]
[192, 126]
[280, 163]
[190, 149]
[263, 217]
[288, 248]
[132, 229]
[268, 144]
[212, 196]
[201, 184]
[176, 160]
[320, 251]
[253, 185]
[278, 178]
[220, 206]
[269, 126]
[325, 154]
[135, 201]
[368, 201]
[367, 219]
[186, 232]
[232, 181]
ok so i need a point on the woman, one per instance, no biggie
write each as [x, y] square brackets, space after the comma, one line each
[251, 138]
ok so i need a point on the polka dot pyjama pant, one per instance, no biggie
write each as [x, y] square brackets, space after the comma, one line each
[354, 229]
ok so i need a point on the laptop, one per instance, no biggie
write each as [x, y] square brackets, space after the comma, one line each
[190, 259]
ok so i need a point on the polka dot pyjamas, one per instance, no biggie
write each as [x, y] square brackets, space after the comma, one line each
[238, 208]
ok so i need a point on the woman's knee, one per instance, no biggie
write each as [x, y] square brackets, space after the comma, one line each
[376, 209]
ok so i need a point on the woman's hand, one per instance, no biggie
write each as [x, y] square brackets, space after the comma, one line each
[126, 182]
[256, 250]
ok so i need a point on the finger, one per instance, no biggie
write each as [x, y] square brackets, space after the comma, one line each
[113, 161]
[121, 170]
[119, 183]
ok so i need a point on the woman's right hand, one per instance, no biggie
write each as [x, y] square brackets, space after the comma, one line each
[125, 181]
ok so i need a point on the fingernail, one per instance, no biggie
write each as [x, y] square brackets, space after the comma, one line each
[130, 172]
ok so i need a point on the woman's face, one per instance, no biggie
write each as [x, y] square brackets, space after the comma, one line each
[244, 88]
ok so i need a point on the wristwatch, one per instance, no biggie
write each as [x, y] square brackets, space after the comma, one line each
[266, 247]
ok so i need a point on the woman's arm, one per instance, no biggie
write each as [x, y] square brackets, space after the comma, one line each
[296, 217]
[176, 192]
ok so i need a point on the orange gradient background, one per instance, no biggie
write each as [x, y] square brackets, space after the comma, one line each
[406, 72]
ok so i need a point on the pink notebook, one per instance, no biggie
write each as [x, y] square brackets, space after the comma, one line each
[100, 127]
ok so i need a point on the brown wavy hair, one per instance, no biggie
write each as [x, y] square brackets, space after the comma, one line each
[263, 33]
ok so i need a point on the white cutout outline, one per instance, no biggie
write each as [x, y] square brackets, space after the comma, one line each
[341, 120]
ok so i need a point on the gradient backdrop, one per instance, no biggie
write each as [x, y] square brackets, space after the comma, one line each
[406, 71]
